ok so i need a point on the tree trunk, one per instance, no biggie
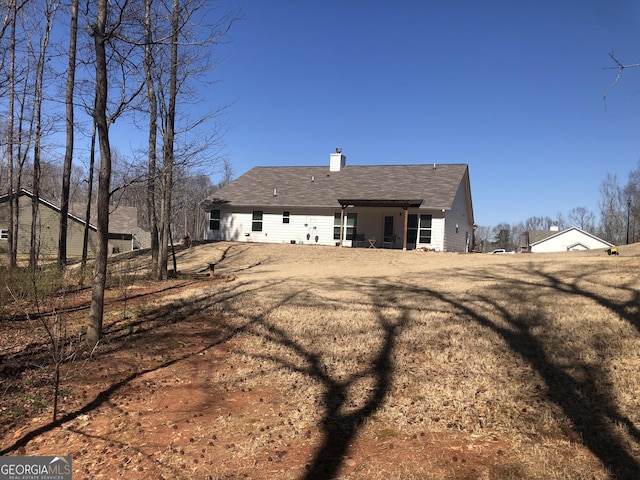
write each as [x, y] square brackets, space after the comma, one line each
[94, 332]
[38, 100]
[87, 217]
[68, 154]
[153, 138]
[12, 227]
[35, 203]
[167, 147]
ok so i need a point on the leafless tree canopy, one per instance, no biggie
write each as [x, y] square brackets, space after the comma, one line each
[74, 69]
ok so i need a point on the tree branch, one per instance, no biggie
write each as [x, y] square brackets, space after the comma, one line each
[620, 67]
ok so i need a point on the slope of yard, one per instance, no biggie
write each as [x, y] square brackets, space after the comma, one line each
[296, 361]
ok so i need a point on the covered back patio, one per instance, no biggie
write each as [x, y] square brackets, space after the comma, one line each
[380, 230]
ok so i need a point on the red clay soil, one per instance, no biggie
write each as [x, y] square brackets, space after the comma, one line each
[143, 408]
[160, 397]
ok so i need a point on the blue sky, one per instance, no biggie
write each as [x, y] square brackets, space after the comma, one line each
[512, 88]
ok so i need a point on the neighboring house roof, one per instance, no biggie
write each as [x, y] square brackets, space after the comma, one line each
[29, 194]
[142, 238]
[121, 219]
[535, 236]
[432, 186]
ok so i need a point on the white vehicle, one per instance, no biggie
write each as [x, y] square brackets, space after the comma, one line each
[499, 251]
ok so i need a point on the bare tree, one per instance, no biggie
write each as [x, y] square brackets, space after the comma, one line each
[100, 37]
[153, 139]
[126, 66]
[168, 144]
[502, 236]
[538, 223]
[631, 193]
[227, 173]
[68, 154]
[611, 223]
[175, 56]
[612, 218]
[50, 8]
[582, 218]
[29, 24]
[13, 200]
[87, 216]
[481, 237]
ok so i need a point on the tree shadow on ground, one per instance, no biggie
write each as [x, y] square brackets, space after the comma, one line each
[99, 400]
[116, 339]
[580, 388]
[342, 418]
[583, 398]
[37, 353]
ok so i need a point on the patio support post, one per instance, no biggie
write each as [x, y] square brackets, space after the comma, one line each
[406, 224]
[342, 208]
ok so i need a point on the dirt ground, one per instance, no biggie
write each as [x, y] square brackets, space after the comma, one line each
[224, 376]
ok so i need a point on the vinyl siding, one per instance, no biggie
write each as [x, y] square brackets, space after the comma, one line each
[47, 230]
[303, 226]
[437, 232]
[119, 245]
[75, 237]
[456, 238]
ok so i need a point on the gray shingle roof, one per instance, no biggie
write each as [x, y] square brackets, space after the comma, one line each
[121, 219]
[318, 187]
[535, 236]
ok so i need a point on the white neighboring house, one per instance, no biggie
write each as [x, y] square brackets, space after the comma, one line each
[571, 239]
[389, 206]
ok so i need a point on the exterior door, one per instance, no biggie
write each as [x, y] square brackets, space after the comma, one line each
[388, 230]
[412, 231]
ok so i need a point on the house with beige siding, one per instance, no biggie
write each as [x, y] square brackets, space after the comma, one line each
[417, 206]
[121, 229]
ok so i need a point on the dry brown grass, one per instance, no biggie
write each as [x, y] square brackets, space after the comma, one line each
[378, 364]
[538, 350]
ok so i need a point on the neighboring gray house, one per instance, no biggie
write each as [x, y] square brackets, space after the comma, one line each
[123, 227]
[124, 232]
[392, 206]
[47, 227]
[552, 240]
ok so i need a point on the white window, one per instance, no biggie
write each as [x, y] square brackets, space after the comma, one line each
[4, 234]
[350, 226]
[256, 221]
[425, 229]
[214, 220]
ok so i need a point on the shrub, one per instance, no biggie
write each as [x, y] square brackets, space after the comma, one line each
[26, 284]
